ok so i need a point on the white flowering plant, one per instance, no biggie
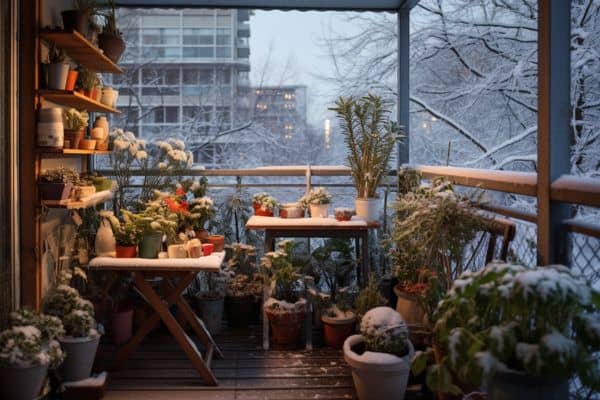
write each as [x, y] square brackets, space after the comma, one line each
[264, 201]
[200, 211]
[541, 321]
[76, 313]
[318, 195]
[385, 331]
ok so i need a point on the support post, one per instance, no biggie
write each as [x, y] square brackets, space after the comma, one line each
[403, 83]
[554, 106]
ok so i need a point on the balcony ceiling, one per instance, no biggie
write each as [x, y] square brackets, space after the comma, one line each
[346, 5]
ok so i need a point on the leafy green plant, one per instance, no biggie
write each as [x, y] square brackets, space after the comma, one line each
[87, 79]
[110, 19]
[543, 322]
[286, 283]
[57, 55]
[265, 201]
[369, 297]
[334, 264]
[74, 119]
[370, 137]
[409, 180]
[127, 232]
[241, 266]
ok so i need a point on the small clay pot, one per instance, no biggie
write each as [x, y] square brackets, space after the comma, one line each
[285, 327]
[207, 249]
[71, 79]
[87, 144]
[74, 137]
[262, 212]
[126, 251]
[218, 241]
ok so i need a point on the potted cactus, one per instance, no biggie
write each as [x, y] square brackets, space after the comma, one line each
[317, 201]
[75, 122]
[380, 356]
[81, 337]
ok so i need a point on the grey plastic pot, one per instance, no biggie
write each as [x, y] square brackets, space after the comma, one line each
[382, 376]
[57, 76]
[80, 357]
[211, 312]
[516, 385]
[22, 383]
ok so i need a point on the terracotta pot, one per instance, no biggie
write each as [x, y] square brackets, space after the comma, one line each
[343, 214]
[263, 213]
[121, 323]
[286, 327]
[75, 20]
[74, 136]
[22, 383]
[126, 251]
[408, 306]
[516, 385]
[55, 191]
[239, 310]
[202, 234]
[71, 79]
[218, 241]
[336, 330]
[377, 378]
[113, 46]
[87, 144]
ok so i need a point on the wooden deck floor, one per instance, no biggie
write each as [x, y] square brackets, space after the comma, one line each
[159, 370]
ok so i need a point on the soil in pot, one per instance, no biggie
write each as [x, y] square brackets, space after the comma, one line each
[113, 46]
[211, 312]
[286, 327]
[337, 330]
[22, 383]
[80, 358]
[121, 323]
[126, 251]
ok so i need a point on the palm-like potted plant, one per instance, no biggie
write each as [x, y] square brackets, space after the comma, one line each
[27, 350]
[56, 183]
[58, 68]
[318, 201]
[286, 308]
[110, 40]
[75, 123]
[370, 137]
[264, 204]
[245, 285]
[81, 337]
[520, 332]
[380, 356]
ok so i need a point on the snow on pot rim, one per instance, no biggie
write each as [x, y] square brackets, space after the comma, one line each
[84, 339]
[281, 306]
[373, 361]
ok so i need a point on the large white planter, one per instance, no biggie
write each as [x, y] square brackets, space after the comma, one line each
[377, 376]
[22, 383]
[81, 353]
[368, 209]
[319, 210]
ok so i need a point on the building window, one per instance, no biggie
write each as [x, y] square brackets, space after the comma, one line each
[200, 36]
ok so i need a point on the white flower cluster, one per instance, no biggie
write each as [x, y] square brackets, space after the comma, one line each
[126, 142]
[265, 201]
[175, 154]
[318, 195]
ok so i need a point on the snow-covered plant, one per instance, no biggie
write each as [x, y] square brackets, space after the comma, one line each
[543, 321]
[60, 175]
[200, 211]
[285, 277]
[76, 313]
[318, 195]
[385, 331]
[370, 137]
[21, 346]
[264, 201]
[244, 277]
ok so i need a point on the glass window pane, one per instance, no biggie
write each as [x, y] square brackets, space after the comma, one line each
[149, 76]
[199, 20]
[206, 76]
[224, 52]
[223, 36]
[172, 114]
[190, 77]
[191, 91]
[198, 52]
[160, 20]
[198, 36]
[172, 77]
[223, 20]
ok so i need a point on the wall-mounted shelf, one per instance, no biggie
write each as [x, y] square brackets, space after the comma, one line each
[82, 50]
[76, 100]
[90, 201]
[71, 152]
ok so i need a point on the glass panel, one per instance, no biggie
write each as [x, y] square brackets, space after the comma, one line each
[172, 114]
[160, 20]
[199, 20]
[223, 20]
[198, 52]
[206, 76]
[224, 52]
[171, 77]
[198, 36]
[223, 36]
[190, 77]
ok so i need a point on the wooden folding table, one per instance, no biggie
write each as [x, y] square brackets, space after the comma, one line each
[275, 227]
[177, 274]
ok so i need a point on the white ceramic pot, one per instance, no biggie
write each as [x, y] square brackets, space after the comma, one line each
[177, 251]
[51, 114]
[106, 243]
[319, 210]
[291, 210]
[22, 383]
[50, 134]
[377, 376]
[368, 209]
[80, 357]
[57, 76]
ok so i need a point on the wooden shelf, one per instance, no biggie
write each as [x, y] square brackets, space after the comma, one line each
[82, 51]
[76, 100]
[91, 201]
[71, 152]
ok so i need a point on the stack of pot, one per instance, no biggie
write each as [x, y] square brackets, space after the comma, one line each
[50, 129]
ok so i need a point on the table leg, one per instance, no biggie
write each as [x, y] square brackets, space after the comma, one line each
[359, 258]
[178, 333]
[365, 259]
[269, 246]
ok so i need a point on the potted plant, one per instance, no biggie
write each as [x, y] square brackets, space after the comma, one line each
[244, 286]
[516, 332]
[264, 204]
[58, 68]
[75, 123]
[200, 211]
[291, 210]
[87, 82]
[369, 297]
[27, 350]
[77, 19]
[431, 228]
[110, 40]
[370, 137]
[121, 318]
[380, 356]
[56, 183]
[127, 235]
[285, 309]
[209, 291]
[334, 265]
[81, 337]
[317, 200]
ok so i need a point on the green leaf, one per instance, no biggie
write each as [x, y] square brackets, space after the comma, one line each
[419, 362]
[596, 298]
[439, 379]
